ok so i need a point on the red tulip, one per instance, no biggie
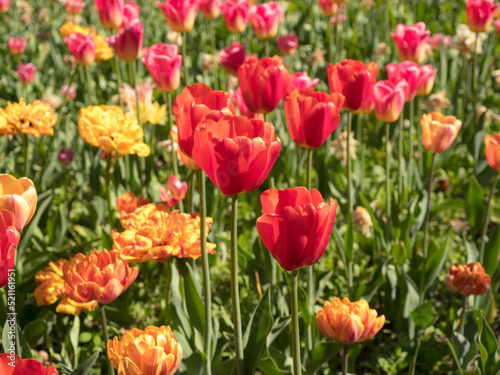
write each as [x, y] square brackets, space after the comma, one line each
[263, 83]
[480, 14]
[130, 13]
[427, 77]
[296, 225]
[265, 19]
[9, 238]
[164, 64]
[354, 80]
[235, 14]
[232, 57]
[287, 44]
[128, 41]
[82, 47]
[210, 8]
[26, 73]
[179, 14]
[14, 365]
[407, 71]
[312, 116]
[411, 41]
[237, 97]
[389, 100]
[301, 80]
[17, 45]
[196, 103]
[235, 152]
[110, 13]
[4, 6]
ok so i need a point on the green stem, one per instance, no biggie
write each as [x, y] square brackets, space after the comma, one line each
[463, 316]
[107, 177]
[111, 369]
[207, 338]
[414, 363]
[184, 61]
[337, 44]
[486, 219]
[267, 48]
[214, 53]
[118, 79]
[360, 132]
[455, 356]
[297, 367]
[400, 162]
[443, 66]
[330, 43]
[235, 294]
[133, 82]
[474, 82]
[63, 104]
[345, 359]
[89, 84]
[410, 145]
[192, 180]
[419, 141]
[173, 156]
[25, 147]
[310, 269]
[388, 173]
[348, 165]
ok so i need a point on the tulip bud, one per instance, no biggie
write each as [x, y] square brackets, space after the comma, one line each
[409, 72]
[26, 73]
[480, 14]
[4, 6]
[210, 8]
[70, 93]
[128, 41]
[175, 192]
[389, 99]
[427, 77]
[17, 45]
[411, 41]
[110, 13]
[265, 19]
[130, 13]
[82, 47]
[439, 131]
[235, 14]
[19, 197]
[65, 156]
[328, 8]
[492, 144]
[232, 57]
[287, 44]
[179, 14]
[164, 64]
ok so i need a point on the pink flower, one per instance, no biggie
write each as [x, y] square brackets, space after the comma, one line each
[265, 19]
[427, 77]
[232, 57]
[237, 98]
[328, 8]
[480, 14]
[4, 6]
[210, 8]
[389, 99]
[164, 65]
[82, 47]
[17, 45]
[74, 6]
[9, 238]
[497, 25]
[128, 41]
[439, 40]
[175, 192]
[235, 14]
[65, 156]
[110, 13]
[411, 41]
[130, 13]
[301, 80]
[407, 71]
[179, 14]
[287, 44]
[71, 93]
[26, 73]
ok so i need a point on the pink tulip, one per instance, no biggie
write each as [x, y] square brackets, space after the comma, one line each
[439, 40]
[110, 13]
[71, 94]
[265, 19]
[74, 6]
[210, 8]
[235, 14]
[26, 73]
[232, 57]
[9, 238]
[287, 44]
[301, 80]
[4, 6]
[389, 100]
[237, 98]
[179, 14]
[130, 13]
[164, 65]
[65, 156]
[17, 45]
[82, 47]
[407, 71]
[328, 8]
[411, 41]
[175, 192]
[427, 77]
[480, 14]
[128, 41]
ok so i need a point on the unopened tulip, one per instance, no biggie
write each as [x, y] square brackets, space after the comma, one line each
[128, 41]
[74, 6]
[237, 97]
[389, 100]
[164, 64]
[492, 144]
[312, 116]
[411, 41]
[210, 8]
[406, 71]
[287, 44]
[9, 238]
[265, 19]
[301, 80]
[26, 73]
[354, 80]
[232, 57]
[130, 13]
[439, 131]
[235, 14]
[468, 279]
[328, 8]
[17, 45]
[19, 197]
[82, 47]
[296, 225]
[175, 192]
[480, 14]
[65, 156]
[349, 322]
[69, 93]
[110, 13]
[263, 83]
[427, 77]
[179, 14]
[235, 152]
[4, 6]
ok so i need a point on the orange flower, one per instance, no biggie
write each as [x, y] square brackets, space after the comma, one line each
[18, 197]
[468, 279]
[36, 119]
[152, 232]
[348, 322]
[439, 131]
[492, 143]
[128, 203]
[100, 276]
[152, 351]
[50, 288]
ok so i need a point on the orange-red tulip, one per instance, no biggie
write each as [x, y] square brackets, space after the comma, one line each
[235, 152]
[296, 225]
[492, 144]
[480, 14]
[439, 131]
[9, 238]
[14, 365]
[468, 279]
[18, 197]
[312, 116]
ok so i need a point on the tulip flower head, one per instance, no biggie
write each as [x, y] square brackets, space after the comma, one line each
[19, 197]
[26, 73]
[175, 192]
[354, 80]
[110, 13]
[409, 72]
[65, 156]
[164, 64]
[265, 19]
[287, 44]
[232, 57]
[237, 97]
[349, 322]
[411, 41]
[439, 40]
[328, 8]
[127, 43]
[9, 238]
[179, 14]
[312, 116]
[492, 144]
[468, 279]
[82, 47]
[480, 14]
[296, 225]
[235, 14]
[210, 8]
[14, 365]
[427, 77]
[74, 6]
[130, 13]
[389, 100]
[128, 203]
[4, 6]
[68, 92]
[439, 131]
[17, 45]
[301, 80]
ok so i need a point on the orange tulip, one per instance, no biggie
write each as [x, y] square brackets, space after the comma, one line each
[128, 203]
[468, 279]
[100, 276]
[152, 351]
[492, 143]
[439, 131]
[349, 322]
[18, 197]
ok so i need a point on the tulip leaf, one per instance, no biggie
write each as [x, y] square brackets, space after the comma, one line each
[349, 240]
[424, 315]
[491, 252]
[475, 206]
[9, 337]
[321, 354]
[304, 306]
[86, 366]
[488, 345]
[471, 249]
[71, 340]
[34, 331]
[435, 262]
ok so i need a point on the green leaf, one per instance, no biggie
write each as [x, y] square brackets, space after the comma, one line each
[399, 253]
[424, 315]
[34, 331]
[488, 347]
[321, 354]
[9, 343]
[491, 250]
[349, 240]
[71, 340]
[86, 366]
[475, 206]
[435, 262]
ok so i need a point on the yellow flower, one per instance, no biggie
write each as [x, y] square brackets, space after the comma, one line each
[348, 322]
[154, 112]
[108, 128]
[152, 232]
[152, 351]
[36, 119]
[103, 51]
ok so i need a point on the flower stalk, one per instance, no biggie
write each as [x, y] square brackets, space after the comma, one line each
[297, 367]
[107, 178]
[310, 269]
[111, 370]
[345, 359]
[388, 173]
[486, 220]
[348, 165]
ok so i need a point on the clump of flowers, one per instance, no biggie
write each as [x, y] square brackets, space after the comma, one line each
[151, 111]
[103, 51]
[36, 119]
